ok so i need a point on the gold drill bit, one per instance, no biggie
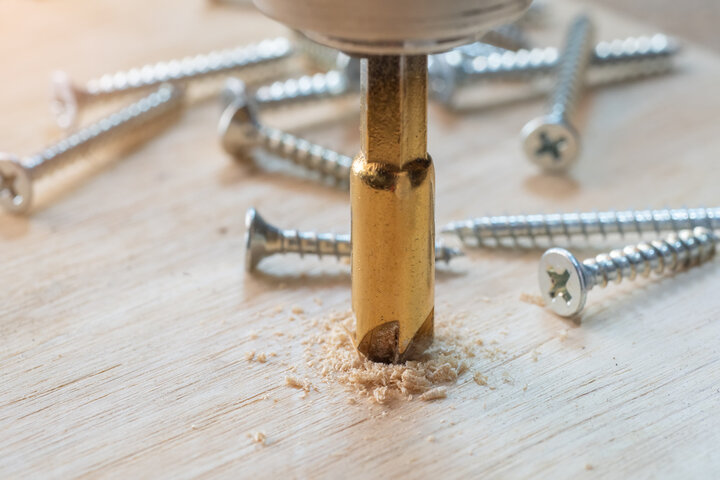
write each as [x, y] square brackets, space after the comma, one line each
[392, 179]
[393, 228]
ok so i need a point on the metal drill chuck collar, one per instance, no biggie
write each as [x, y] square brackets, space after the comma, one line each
[393, 27]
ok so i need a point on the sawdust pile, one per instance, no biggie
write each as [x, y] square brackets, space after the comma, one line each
[331, 354]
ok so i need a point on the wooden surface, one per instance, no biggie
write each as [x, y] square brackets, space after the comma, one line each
[126, 316]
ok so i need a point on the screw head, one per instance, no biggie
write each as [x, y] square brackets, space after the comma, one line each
[238, 127]
[259, 234]
[553, 145]
[15, 184]
[562, 283]
[65, 100]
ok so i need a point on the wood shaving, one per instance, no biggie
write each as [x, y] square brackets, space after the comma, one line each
[434, 394]
[258, 437]
[297, 310]
[563, 334]
[295, 382]
[253, 357]
[532, 299]
[430, 438]
[534, 355]
[480, 379]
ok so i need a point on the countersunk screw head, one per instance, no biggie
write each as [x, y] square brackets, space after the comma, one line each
[15, 184]
[553, 145]
[65, 99]
[562, 282]
[257, 234]
[238, 127]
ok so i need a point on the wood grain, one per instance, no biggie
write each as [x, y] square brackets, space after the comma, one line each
[125, 314]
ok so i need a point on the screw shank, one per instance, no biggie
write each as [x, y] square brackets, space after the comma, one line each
[392, 201]
[572, 68]
[127, 127]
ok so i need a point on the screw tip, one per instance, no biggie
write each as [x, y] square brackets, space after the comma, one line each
[445, 254]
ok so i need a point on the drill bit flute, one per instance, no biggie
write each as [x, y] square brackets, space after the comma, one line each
[392, 178]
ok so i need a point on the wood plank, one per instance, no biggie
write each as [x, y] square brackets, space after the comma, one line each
[126, 317]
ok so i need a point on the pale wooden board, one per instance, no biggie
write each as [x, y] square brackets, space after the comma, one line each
[126, 315]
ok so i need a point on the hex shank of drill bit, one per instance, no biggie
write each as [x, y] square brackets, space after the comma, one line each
[393, 230]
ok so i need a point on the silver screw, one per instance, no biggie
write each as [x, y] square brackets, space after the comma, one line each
[18, 176]
[451, 74]
[552, 141]
[69, 99]
[341, 81]
[263, 240]
[565, 282]
[525, 230]
[240, 131]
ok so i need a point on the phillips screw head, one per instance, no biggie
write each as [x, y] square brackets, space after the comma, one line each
[551, 143]
[562, 282]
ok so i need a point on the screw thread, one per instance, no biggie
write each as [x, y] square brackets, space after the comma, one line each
[572, 68]
[612, 61]
[159, 105]
[334, 245]
[314, 244]
[640, 54]
[189, 68]
[306, 154]
[679, 250]
[307, 87]
[518, 230]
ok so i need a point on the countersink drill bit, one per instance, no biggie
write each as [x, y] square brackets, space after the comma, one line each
[392, 185]
[392, 178]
